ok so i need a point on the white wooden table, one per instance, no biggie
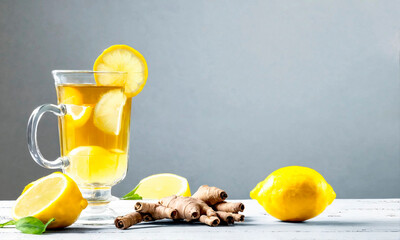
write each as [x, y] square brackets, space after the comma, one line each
[344, 219]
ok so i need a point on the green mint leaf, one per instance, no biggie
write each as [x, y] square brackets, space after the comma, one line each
[11, 222]
[132, 195]
[30, 225]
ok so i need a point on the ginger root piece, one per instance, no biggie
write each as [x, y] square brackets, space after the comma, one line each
[124, 222]
[204, 208]
[233, 207]
[147, 217]
[225, 217]
[238, 217]
[210, 221]
[207, 206]
[188, 208]
[156, 211]
[210, 195]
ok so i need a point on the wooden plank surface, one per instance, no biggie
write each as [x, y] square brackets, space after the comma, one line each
[344, 219]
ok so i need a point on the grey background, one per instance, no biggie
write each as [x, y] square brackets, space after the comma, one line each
[236, 89]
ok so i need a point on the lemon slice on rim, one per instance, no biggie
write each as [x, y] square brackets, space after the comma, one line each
[108, 112]
[54, 196]
[163, 185]
[122, 58]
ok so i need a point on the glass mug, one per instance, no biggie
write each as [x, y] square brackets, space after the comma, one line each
[94, 123]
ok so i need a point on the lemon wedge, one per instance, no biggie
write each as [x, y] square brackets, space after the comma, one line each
[122, 58]
[163, 185]
[54, 196]
[78, 115]
[108, 112]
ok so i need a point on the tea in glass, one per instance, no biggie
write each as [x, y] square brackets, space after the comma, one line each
[94, 133]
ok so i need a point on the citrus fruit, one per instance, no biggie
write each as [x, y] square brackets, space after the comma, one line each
[30, 185]
[108, 112]
[93, 164]
[69, 95]
[122, 58]
[77, 115]
[294, 193]
[163, 185]
[54, 196]
[122, 163]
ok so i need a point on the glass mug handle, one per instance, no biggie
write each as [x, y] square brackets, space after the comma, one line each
[58, 110]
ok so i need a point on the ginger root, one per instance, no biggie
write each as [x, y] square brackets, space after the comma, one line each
[238, 217]
[225, 217]
[144, 212]
[210, 195]
[147, 217]
[207, 206]
[233, 207]
[188, 208]
[210, 221]
[156, 211]
[124, 222]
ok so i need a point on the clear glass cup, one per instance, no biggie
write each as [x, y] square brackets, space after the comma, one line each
[94, 123]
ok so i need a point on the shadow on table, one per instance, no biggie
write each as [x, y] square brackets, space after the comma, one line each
[137, 227]
[337, 223]
[167, 223]
[99, 229]
[329, 223]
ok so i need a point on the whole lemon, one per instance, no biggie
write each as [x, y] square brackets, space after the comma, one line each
[294, 193]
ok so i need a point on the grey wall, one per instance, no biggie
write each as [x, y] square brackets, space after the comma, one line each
[236, 89]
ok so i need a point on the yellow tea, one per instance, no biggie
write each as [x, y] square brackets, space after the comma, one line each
[94, 134]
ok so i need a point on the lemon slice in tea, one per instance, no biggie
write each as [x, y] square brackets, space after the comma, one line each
[92, 164]
[78, 115]
[70, 95]
[108, 112]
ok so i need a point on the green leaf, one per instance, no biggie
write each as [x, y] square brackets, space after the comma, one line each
[47, 224]
[32, 225]
[132, 195]
[11, 222]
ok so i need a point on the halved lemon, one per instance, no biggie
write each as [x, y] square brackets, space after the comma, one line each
[122, 58]
[54, 196]
[78, 115]
[163, 185]
[108, 112]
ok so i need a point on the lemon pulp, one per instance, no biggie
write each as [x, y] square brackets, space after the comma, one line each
[108, 112]
[78, 115]
[40, 196]
[54, 196]
[163, 185]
